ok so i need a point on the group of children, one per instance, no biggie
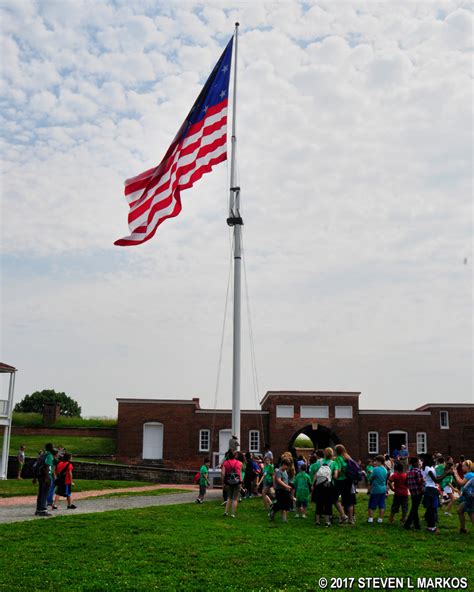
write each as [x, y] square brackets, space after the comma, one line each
[330, 479]
[53, 471]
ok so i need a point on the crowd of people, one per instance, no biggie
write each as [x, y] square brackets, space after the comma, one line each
[52, 471]
[331, 479]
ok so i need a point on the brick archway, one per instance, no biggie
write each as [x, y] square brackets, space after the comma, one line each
[320, 435]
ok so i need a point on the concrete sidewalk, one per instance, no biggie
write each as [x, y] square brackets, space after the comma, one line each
[24, 512]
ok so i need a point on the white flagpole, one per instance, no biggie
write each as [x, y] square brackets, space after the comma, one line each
[235, 220]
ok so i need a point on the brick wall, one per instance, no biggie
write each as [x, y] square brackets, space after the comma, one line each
[282, 430]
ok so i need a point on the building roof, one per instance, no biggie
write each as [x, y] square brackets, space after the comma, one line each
[446, 405]
[309, 393]
[7, 368]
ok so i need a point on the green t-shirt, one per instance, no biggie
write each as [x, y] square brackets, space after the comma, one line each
[268, 471]
[302, 484]
[340, 465]
[439, 470]
[49, 461]
[368, 470]
[447, 481]
[204, 473]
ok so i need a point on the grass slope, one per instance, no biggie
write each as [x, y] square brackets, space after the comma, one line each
[192, 547]
[76, 444]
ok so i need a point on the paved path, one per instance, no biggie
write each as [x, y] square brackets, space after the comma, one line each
[25, 510]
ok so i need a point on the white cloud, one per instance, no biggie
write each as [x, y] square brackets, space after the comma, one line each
[354, 157]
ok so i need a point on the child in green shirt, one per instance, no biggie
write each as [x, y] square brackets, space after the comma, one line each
[203, 481]
[302, 483]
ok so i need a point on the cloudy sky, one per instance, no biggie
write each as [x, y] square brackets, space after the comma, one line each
[355, 162]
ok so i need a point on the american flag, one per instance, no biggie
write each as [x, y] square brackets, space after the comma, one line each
[201, 142]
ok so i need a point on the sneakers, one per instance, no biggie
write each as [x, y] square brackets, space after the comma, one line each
[53, 507]
[271, 515]
[447, 514]
[303, 516]
[343, 519]
[72, 507]
[370, 520]
[42, 514]
[379, 520]
[232, 515]
[199, 501]
[225, 514]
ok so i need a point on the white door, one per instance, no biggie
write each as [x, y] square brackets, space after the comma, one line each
[224, 437]
[152, 441]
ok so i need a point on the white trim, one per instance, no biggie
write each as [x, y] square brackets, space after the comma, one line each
[280, 408]
[392, 412]
[444, 427]
[451, 405]
[396, 432]
[159, 401]
[314, 411]
[201, 449]
[377, 442]
[308, 394]
[224, 411]
[250, 441]
[425, 441]
[336, 407]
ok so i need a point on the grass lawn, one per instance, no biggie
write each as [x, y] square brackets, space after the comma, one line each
[36, 420]
[13, 487]
[193, 547]
[142, 493]
[77, 445]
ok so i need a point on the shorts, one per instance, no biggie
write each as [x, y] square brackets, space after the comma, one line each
[64, 491]
[400, 501]
[268, 490]
[302, 504]
[377, 500]
[233, 491]
[447, 489]
[343, 488]
[202, 490]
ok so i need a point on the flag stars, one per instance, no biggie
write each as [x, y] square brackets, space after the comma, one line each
[205, 108]
[225, 68]
[222, 94]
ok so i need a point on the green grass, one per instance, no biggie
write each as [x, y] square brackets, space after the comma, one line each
[77, 445]
[192, 547]
[36, 420]
[153, 492]
[14, 487]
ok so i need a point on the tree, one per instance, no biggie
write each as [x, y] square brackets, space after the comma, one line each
[35, 402]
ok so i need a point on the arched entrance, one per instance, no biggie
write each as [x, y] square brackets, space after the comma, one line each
[320, 435]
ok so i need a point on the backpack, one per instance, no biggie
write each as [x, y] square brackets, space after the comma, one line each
[324, 475]
[60, 480]
[38, 466]
[197, 477]
[468, 491]
[232, 478]
[353, 471]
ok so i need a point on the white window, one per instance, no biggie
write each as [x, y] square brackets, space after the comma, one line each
[287, 411]
[343, 412]
[421, 446]
[444, 420]
[373, 442]
[314, 411]
[204, 440]
[254, 441]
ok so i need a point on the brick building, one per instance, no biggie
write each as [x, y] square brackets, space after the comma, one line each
[179, 433]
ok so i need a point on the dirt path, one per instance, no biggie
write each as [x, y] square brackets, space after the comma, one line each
[25, 511]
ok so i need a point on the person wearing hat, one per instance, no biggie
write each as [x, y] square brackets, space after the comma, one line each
[233, 443]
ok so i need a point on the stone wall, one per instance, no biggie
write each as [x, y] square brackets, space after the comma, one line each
[114, 472]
